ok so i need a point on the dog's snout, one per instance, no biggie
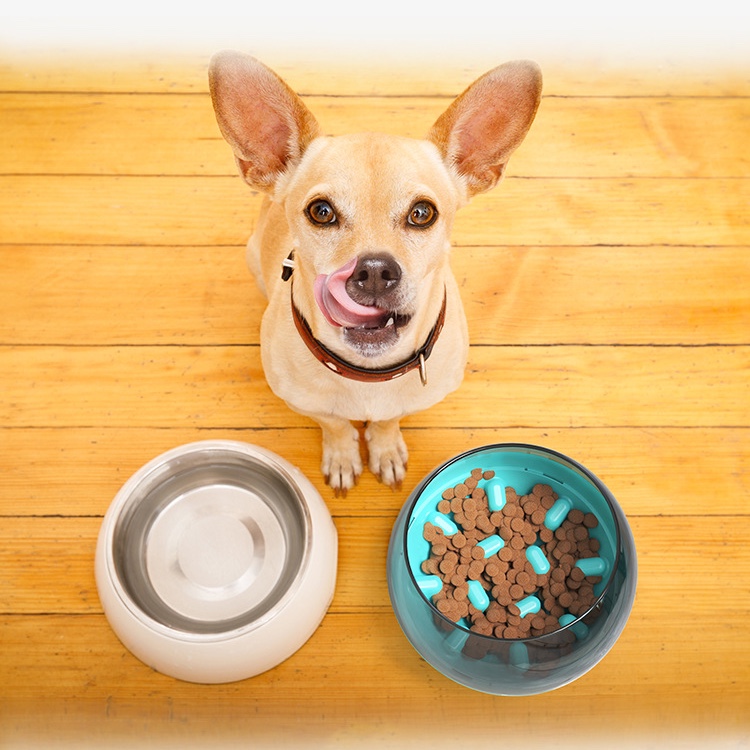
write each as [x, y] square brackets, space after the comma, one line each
[374, 279]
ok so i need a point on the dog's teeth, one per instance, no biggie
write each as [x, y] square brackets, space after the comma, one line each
[391, 321]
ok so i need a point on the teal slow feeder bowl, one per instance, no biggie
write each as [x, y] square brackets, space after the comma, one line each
[518, 666]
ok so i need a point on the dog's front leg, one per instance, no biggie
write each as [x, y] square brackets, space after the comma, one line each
[342, 463]
[387, 452]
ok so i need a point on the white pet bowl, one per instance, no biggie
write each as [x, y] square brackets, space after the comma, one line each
[216, 561]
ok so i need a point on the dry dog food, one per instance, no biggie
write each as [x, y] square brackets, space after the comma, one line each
[504, 571]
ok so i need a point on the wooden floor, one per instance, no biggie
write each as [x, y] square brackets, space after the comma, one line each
[607, 285]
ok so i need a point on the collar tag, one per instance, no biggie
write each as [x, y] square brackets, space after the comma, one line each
[287, 267]
[422, 368]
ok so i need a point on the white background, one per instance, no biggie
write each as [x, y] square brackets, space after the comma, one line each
[715, 31]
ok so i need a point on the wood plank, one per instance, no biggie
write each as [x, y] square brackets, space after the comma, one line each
[128, 295]
[546, 386]
[572, 75]
[335, 689]
[78, 471]
[533, 295]
[47, 565]
[603, 137]
[107, 210]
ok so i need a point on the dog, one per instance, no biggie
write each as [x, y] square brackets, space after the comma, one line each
[364, 322]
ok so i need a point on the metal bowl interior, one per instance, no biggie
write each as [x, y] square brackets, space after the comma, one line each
[209, 540]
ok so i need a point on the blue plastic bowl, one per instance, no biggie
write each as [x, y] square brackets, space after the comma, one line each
[520, 666]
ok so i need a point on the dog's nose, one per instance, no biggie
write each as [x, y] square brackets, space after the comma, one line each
[374, 278]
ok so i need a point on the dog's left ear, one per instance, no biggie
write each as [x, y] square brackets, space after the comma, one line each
[262, 119]
[486, 124]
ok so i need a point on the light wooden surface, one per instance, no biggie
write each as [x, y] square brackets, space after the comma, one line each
[607, 286]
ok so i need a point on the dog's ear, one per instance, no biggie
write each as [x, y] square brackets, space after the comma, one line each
[262, 119]
[484, 126]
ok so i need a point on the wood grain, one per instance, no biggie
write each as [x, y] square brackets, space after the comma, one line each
[154, 210]
[198, 295]
[47, 565]
[544, 386]
[76, 471]
[117, 134]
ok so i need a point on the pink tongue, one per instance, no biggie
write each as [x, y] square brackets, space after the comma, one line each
[337, 306]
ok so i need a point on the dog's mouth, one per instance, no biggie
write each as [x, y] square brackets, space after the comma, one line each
[367, 328]
[371, 340]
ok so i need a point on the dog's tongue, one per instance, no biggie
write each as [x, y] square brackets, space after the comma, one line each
[337, 306]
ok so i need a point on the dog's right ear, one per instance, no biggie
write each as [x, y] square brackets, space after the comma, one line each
[481, 129]
[262, 119]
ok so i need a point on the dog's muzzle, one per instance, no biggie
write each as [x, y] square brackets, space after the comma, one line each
[362, 298]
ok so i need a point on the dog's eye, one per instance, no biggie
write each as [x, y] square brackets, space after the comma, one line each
[423, 214]
[321, 212]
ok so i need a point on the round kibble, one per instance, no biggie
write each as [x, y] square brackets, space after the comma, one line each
[444, 506]
[576, 516]
[590, 521]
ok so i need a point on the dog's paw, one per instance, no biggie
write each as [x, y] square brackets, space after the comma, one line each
[388, 455]
[342, 463]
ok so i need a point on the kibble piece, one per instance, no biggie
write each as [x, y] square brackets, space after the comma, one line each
[577, 574]
[447, 568]
[492, 569]
[469, 505]
[590, 521]
[461, 592]
[516, 591]
[548, 501]
[576, 516]
[429, 532]
[565, 599]
[444, 605]
[517, 524]
[476, 569]
[580, 533]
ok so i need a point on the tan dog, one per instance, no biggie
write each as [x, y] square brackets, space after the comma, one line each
[369, 326]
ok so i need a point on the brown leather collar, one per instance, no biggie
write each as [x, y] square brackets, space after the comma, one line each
[363, 374]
